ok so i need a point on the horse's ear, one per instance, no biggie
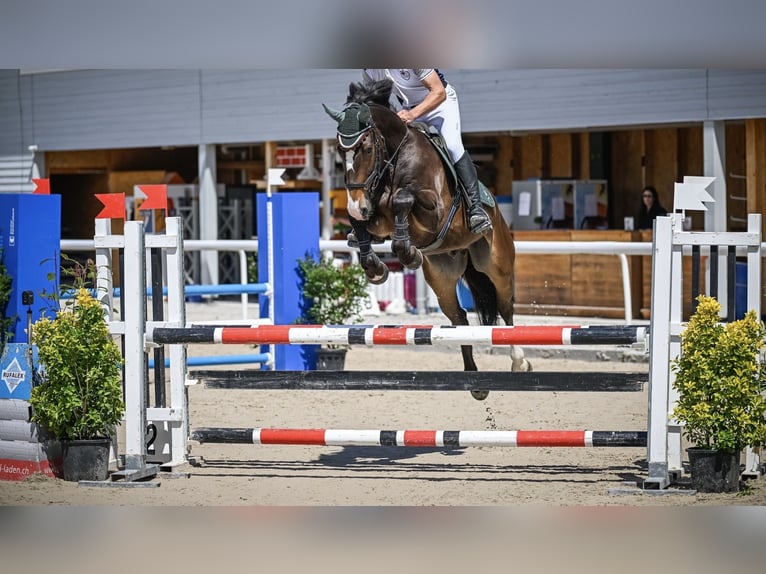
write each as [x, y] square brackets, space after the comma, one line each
[334, 114]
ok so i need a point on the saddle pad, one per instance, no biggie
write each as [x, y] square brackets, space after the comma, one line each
[486, 195]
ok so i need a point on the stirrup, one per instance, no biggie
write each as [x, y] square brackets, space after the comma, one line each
[480, 226]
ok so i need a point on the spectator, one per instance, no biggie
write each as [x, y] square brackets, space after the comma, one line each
[650, 208]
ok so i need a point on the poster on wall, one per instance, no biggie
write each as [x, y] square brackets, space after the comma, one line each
[590, 206]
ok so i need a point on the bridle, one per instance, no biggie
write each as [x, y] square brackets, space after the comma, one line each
[354, 125]
[372, 185]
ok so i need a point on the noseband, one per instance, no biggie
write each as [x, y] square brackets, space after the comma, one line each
[371, 184]
[353, 141]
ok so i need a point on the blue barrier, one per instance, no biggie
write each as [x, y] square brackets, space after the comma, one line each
[225, 289]
[222, 360]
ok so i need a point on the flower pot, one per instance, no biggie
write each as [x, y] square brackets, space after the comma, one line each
[713, 470]
[331, 359]
[85, 459]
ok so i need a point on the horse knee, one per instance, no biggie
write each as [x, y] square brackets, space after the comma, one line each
[402, 202]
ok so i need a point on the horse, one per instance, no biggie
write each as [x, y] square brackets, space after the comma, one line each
[401, 187]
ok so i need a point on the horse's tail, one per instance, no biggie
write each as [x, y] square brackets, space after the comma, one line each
[484, 294]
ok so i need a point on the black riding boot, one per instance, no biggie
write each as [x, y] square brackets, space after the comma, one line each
[478, 221]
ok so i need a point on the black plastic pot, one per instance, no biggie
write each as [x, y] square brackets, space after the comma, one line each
[331, 359]
[713, 470]
[85, 459]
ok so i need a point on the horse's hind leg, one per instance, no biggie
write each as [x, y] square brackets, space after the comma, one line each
[500, 272]
[442, 273]
[409, 255]
[505, 308]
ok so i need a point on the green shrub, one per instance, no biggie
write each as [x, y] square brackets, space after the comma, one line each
[80, 392]
[334, 295]
[719, 379]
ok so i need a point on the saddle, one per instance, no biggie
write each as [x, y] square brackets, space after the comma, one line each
[437, 141]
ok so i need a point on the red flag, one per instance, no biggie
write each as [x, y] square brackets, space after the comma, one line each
[156, 197]
[114, 205]
[42, 186]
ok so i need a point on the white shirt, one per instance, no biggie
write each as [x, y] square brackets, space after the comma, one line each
[407, 83]
[408, 87]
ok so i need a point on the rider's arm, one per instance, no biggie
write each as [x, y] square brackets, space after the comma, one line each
[436, 95]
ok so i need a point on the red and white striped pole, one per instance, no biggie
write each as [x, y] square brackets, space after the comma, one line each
[422, 438]
[371, 335]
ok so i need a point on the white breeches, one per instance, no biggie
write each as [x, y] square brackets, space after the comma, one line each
[446, 118]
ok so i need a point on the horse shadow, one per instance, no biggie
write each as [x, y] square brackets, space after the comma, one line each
[380, 455]
[402, 464]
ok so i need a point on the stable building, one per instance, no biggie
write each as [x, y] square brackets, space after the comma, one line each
[212, 134]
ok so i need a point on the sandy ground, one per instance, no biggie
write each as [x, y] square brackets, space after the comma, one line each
[233, 475]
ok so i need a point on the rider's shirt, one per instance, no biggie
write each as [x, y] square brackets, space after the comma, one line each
[407, 83]
[409, 89]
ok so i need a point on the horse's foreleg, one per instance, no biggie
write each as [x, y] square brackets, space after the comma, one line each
[409, 255]
[375, 270]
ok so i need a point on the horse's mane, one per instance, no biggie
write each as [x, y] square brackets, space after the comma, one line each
[370, 92]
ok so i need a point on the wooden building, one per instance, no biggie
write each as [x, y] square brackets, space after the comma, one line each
[105, 130]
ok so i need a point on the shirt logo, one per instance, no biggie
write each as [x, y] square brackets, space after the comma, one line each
[405, 74]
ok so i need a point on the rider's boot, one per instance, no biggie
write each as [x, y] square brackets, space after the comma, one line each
[478, 221]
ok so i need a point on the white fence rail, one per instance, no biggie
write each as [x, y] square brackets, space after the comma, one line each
[244, 246]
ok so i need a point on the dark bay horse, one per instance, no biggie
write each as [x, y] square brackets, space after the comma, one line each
[400, 187]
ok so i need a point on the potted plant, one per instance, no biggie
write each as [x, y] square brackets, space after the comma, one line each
[719, 379]
[333, 294]
[78, 397]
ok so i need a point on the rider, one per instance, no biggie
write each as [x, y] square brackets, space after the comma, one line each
[426, 97]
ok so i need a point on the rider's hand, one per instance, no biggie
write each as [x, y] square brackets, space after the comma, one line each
[406, 116]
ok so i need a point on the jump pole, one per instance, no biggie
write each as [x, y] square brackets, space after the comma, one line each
[422, 438]
[422, 381]
[403, 335]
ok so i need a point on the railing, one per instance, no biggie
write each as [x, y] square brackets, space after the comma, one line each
[243, 246]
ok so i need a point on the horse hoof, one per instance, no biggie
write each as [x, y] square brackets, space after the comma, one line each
[416, 262]
[479, 395]
[379, 279]
[522, 365]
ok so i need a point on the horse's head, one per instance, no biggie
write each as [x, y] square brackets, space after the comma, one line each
[360, 146]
